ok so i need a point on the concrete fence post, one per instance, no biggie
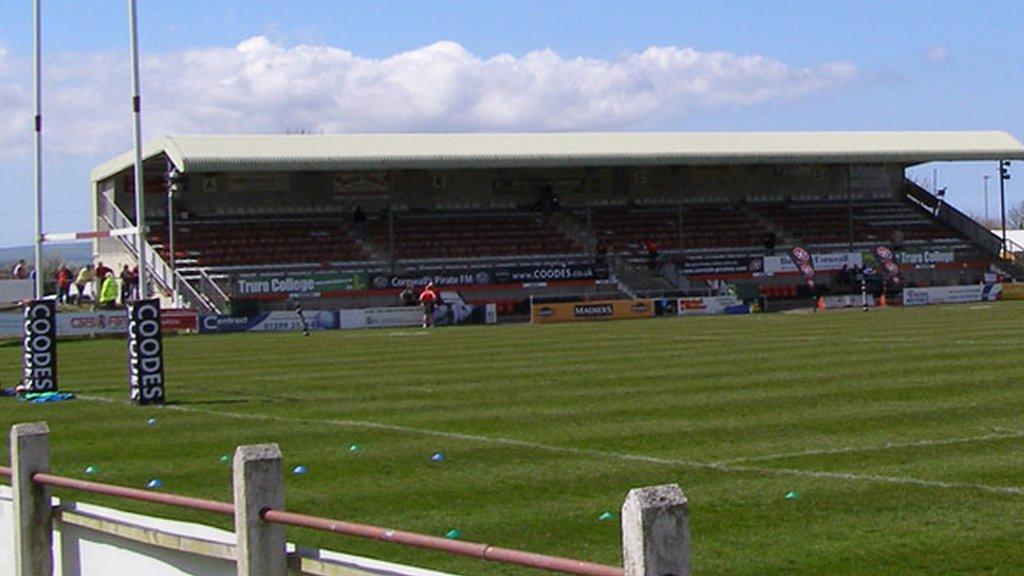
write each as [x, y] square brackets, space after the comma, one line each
[258, 485]
[33, 530]
[655, 532]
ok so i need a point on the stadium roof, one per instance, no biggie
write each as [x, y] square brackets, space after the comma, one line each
[440, 151]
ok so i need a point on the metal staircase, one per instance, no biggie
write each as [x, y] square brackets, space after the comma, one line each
[159, 271]
[635, 279]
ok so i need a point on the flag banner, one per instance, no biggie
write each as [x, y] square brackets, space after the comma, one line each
[887, 262]
[802, 260]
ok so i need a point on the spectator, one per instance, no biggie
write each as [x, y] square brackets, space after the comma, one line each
[108, 292]
[102, 271]
[359, 223]
[64, 278]
[126, 283]
[428, 299]
[652, 254]
[133, 279]
[601, 252]
[83, 279]
[20, 270]
[548, 202]
[769, 243]
[408, 297]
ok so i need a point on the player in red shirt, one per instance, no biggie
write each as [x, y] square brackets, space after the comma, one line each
[427, 299]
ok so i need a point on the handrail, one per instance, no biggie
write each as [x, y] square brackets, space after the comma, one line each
[134, 494]
[472, 549]
[400, 537]
[218, 299]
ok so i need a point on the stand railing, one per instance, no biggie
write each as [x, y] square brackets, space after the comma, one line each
[213, 292]
[955, 219]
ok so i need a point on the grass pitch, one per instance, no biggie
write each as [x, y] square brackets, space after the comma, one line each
[900, 431]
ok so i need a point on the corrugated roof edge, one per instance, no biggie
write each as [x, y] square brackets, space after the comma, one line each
[165, 145]
[325, 152]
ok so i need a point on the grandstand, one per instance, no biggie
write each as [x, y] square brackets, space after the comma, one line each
[506, 216]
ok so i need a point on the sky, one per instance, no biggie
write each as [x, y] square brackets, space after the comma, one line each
[334, 66]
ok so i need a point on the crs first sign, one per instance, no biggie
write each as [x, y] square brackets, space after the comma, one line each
[145, 353]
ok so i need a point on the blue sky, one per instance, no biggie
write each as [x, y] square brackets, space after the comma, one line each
[332, 66]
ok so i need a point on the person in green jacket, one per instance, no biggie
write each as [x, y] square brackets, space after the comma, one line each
[108, 292]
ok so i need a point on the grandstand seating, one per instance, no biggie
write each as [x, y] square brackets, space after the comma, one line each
[440, 235]
[705, 226]
[828, 222]
[471, 234]
[259, 242]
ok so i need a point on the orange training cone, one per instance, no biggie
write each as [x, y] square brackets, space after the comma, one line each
[881, 301]
[821, 302]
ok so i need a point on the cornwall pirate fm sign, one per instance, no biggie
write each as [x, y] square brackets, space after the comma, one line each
[145, 353]
[40, 346]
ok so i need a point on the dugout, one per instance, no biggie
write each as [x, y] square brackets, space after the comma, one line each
[503, 216]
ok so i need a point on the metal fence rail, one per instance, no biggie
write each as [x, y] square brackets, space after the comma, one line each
[213, 506]
[285, 518]
[472, 549]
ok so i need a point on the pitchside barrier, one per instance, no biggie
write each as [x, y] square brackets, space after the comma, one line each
[952, 294]
[579, 311]
[711, 306]
[587, 310]
[1013, 292]
[98, 323]
[836, 302]
[655, 528]
[115, 322]
[450, 314]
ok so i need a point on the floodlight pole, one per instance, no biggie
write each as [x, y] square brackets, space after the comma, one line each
[140, 188]
[39, 155]
[1002, 203]
[170, 242]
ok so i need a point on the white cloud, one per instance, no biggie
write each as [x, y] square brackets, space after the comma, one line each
[259, 86]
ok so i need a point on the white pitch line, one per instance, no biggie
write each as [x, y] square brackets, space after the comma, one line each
[874, 478]
[1002, 435]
